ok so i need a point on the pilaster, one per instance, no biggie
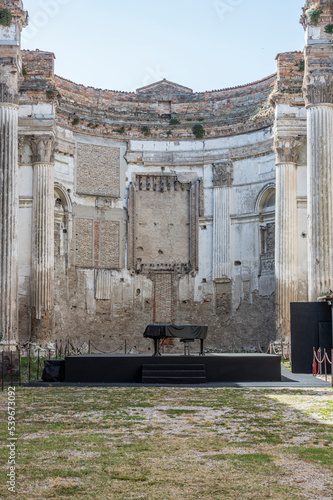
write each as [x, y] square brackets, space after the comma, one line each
[43, 234]
[222, 179]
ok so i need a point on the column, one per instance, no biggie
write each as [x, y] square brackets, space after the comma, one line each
[222, 179]
[318, 96]
[43, 236]
[8, 222]
[320, 196]
[285, 231]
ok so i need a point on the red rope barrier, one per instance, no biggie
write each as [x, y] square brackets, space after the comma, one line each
[316, 366]
[262, 352]
[317, 359]
[328, 359]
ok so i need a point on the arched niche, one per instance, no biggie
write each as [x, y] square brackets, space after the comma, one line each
[265, 203]
[265, 207]
[62, 220]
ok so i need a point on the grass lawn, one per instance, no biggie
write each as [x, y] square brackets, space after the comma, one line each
[171, 443]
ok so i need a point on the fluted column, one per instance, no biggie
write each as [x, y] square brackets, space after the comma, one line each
[320, 197]
[318, 96]
[43, 235]
[285, 231]
[8, 222]
[223, 177]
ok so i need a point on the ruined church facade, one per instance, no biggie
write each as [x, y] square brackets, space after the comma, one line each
[122, 209]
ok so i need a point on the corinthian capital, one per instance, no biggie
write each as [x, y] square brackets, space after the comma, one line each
[223, 174]
[318, 89]
[287, 150]
[42, 149]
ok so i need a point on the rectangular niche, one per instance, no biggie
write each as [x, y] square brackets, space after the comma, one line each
[163, 224]
[98, 170]
[83, 242]
[103, 284]
[164, 108]
[97, 243]
[163, 298]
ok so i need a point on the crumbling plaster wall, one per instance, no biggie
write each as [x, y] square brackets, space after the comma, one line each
[242, 312]
[109, 304]
[243, 315]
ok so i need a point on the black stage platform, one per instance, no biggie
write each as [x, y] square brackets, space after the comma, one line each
[173, 369]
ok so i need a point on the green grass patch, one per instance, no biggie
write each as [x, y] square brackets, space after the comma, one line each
[323, 456]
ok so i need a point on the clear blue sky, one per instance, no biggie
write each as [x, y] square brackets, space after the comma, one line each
[202, 44]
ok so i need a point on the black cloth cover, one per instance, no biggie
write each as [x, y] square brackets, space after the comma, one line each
[54, 370]
[187, 332]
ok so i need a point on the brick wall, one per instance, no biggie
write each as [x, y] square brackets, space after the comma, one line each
[163, 298]
[290, 72]
[162, 221]
[38, 64]
[97, 170]
[109, 244]
[122, 114]
[97, 243]
[112, 110]
[84, 242]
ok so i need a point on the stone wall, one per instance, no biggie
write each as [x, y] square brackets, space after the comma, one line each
[167, 207]
[148, 111]
[134, 223]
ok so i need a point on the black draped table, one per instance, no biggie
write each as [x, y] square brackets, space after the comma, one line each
[187, 333]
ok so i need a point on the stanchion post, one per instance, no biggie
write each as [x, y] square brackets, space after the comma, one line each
[29, 371]
[56, 350]
[125, 346]
[38, 364]
[19, 357]
[89, 346]
[325, 365]
[3, 371]
[11, 368]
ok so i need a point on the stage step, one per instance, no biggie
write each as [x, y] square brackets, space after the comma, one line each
[173, 374]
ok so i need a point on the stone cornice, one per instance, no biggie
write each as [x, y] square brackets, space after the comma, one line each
[252, 150]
